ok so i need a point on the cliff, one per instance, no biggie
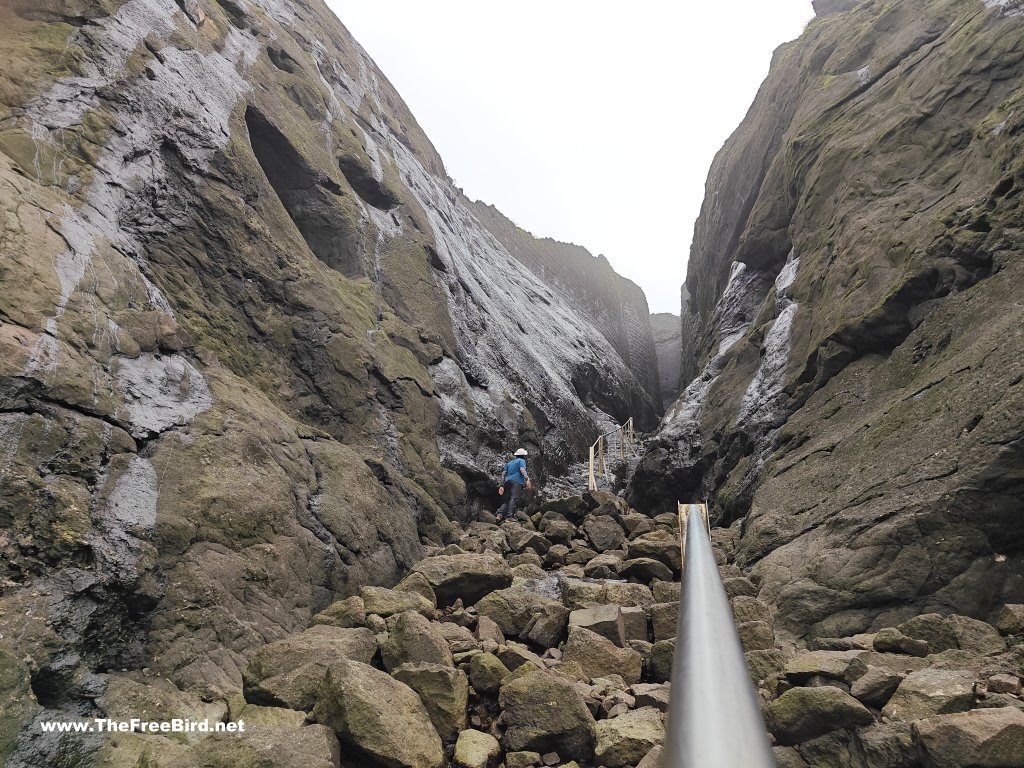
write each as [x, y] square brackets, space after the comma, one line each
[617, 307]
[667, 331]
[856, 346]
[256, 350]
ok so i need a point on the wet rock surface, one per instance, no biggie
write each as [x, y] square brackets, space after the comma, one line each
[852, 363]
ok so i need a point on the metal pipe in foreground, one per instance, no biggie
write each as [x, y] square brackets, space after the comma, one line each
[714, 719]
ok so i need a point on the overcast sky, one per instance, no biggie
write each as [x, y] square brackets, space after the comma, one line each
[591, 122]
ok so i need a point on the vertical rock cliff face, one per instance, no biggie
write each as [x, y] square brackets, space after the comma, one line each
[254, 346]
[617, 307]
[855, 368]
[668, 344]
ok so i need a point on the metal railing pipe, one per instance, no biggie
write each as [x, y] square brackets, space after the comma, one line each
[714, 719]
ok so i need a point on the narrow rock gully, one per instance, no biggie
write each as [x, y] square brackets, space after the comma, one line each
[549, 641]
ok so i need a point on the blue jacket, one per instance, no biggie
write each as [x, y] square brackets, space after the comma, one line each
[514, 471]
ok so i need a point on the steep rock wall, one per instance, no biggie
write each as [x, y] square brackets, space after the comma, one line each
[667, 330]
[617, 307]
[254, 346]
[854, 284]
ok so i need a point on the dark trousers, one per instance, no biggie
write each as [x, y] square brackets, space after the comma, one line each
[513, 492]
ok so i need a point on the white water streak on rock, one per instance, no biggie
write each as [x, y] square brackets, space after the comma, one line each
[161, 392]
[1008, 7]
[132, 502]
[760, 401]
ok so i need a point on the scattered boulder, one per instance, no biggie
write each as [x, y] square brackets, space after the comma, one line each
[465, 576]
[515, 608]
[993, 738]
[475, 749]
[765, 663]
[655, 695]
[444, 692]
[746, 609]
[522, 759]
[756, 635]
[634, 623]
[288, 672]
[876, 686]
[413, 640]
[346, 613]
[603, 533]
[664, 620]
[544, 712]
[377, 716]
[976, 637]
[656, 545]
[929, 692]
[605, 620]
[488, 629]
[418, 584]
[387, 602]
[1011, 619]
[626, 740]
[313, 746]
[644, 570]
[840, 665]
[486, 673]
[598, 656]
[659, 663]
[891, 640]
[933, 629]
[801, 714]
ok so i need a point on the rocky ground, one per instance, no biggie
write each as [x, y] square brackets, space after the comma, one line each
[549, 642]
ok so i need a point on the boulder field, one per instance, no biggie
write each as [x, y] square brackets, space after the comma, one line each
[530, 644]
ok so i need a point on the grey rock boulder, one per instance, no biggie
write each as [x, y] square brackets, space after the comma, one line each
[467, 576]
[801, 714]
[544, 712]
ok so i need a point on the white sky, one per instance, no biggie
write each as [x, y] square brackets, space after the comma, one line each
[591, 122]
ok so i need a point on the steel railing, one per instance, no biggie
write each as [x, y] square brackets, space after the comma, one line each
[714, 720]
[626, 440]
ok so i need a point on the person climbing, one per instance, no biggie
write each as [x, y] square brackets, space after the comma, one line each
[514, 479]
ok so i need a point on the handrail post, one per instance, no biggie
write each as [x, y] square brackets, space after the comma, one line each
[592, 480]
[714, 719]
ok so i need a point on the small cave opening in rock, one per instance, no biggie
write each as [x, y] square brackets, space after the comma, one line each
[307, 196]
[366, 185]
[282, 60]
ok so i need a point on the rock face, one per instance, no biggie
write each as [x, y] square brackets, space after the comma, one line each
[261, 347]
[856, 335]
[668, 344]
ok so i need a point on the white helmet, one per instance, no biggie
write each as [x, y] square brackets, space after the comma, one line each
[521, 452]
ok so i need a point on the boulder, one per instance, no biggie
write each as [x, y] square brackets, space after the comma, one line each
[557, 529]
[1011, 619]
[746, 609]
[626, 740]
[486, 673]
[522, 759]
[664, 620]
[659, 663]
[467, 577]
[387, 602]
[657, 545]
[929, 692]
[891, 640]
[514, 655]
[512, 608]
[288, 672]
[346, 613]
[573, 508]
[756, 635]
[801, 714]
[644, 570]
[655, 695]
[876, 686]
[605, 620]
[544, 712]
[933, 629]
[603, 533]
[839, 665]
[666, 591]
[1003, 683]
[488, 629]
[976, 637]
[739, 586]
[444, 692]
[313, 746]
[981, 738]
[412, 640]
[887, 745]
[765, 663]
[417, 583]
[459, 639]
[599, 656]
[475, 749]
[378, 717]
[603, 566]
[634, 623]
